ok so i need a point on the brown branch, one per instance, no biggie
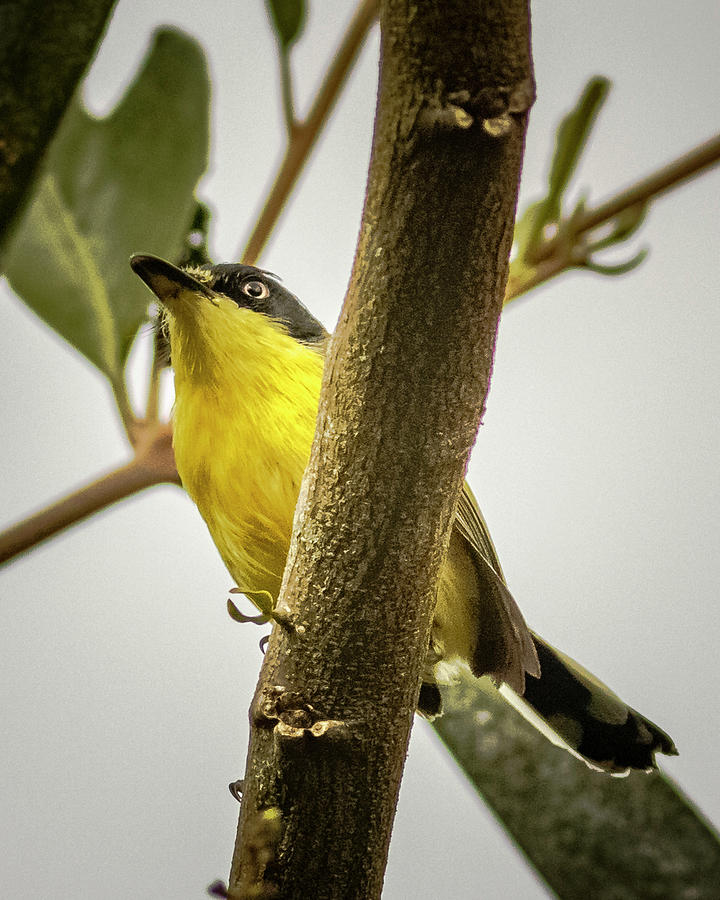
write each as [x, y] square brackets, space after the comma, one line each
[556, 255]
[303, 135]
[670, 176]
[153, 464]
[404, 387]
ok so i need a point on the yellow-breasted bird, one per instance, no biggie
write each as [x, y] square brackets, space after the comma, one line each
[248, 359]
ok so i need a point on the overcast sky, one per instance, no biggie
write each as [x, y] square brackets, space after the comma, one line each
[125, 683]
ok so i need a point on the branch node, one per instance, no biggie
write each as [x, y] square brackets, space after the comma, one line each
[284, 619]
[445, 110]
[496, 100]
[300, 718]
[499, 126]
[493, 106]
[294, 719]
[443, 116]
[332, 729]
[522, 96]
[277, 704]
[264, 709]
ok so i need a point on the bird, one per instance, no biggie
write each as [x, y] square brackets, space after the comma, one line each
[248, 357]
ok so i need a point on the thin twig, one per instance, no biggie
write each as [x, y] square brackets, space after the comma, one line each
[127, 416]
[152, 406]
[670, 176]
[304, 134]
[153, 464]
[531, 278]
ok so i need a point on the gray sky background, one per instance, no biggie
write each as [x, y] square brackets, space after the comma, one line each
[124, 682]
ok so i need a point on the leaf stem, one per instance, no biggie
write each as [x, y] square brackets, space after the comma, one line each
[152, 406]
[302, 136]
[77, 506]
[650, 188]
[286, 87]
[119, 389]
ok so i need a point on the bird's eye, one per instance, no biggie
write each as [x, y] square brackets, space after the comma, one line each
[258, 290]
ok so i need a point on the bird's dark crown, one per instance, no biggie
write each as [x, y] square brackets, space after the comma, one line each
[232, 280]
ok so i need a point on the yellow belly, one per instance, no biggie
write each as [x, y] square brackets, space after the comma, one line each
[245, 483]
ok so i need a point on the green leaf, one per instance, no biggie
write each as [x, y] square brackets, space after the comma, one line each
[570, 821]
[53, 237]
[238, 616]
[111, 187]
[619, 268]
[288, 19]
[263, 600]
[573, 133]
[570, 140]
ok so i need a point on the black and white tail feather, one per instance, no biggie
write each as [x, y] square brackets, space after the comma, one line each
[568, 704]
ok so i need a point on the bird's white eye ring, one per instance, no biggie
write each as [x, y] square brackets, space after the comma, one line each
[255, 289]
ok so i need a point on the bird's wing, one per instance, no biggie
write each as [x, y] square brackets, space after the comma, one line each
[570, 705]
[504, 648]
[470, 523]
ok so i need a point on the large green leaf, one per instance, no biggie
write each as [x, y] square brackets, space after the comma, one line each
[111, 187]
[587, 834]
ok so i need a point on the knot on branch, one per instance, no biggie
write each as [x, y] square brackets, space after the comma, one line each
[445, 114]
[294, 719]
[494, 107]
[501, 99]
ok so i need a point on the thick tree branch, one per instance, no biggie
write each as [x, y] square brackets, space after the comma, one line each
[405, 386]
[44, 50]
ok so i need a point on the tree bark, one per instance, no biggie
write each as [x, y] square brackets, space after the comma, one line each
[404, 389]
[44, 50]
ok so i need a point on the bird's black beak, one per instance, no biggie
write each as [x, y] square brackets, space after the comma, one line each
[164, 279]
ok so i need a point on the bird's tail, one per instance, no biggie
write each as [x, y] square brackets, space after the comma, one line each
[577, 711]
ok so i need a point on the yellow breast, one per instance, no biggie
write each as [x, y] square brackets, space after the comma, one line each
[243, 426]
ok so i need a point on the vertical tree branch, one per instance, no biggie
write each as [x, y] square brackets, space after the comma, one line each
[404, 389]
